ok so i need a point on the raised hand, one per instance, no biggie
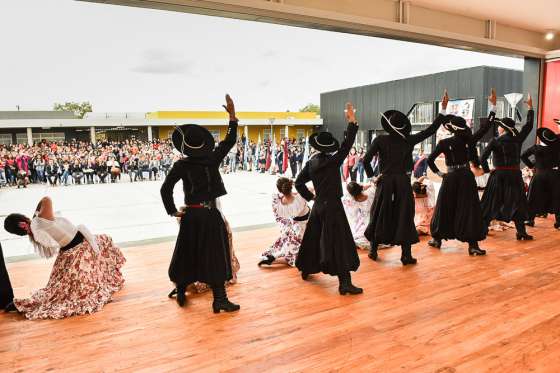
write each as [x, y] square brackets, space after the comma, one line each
[230, 108]
[444, 100]
[529, 101]
[350, 113]
[493, 98]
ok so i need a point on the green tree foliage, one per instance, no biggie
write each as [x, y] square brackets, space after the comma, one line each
[80, 109]
[311, 108]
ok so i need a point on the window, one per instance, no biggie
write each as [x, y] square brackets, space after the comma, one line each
[283, 134]
[300, 134]
[502, 108]
[266, 135]
[48, 136]
[5, 139]
[423, 113]
[215, 135]
[21, 138]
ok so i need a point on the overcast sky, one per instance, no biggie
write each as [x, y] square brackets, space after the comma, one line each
[128, 59]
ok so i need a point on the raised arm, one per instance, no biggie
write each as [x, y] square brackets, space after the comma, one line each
[432, 159]
[372, 152]
[303, 178]
[351, 131]
[45, 209]
[486, 154]
[167, 187]
[479, 134]
[432, 129]
[231, 137]
[473, 155]
[526, 156]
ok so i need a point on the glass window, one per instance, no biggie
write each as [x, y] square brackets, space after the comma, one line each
[48, 136]
[502, 108]
[423, 113]
[266, 134]
[300, 134]
[21, 138]
[283, 134]
[5, 139]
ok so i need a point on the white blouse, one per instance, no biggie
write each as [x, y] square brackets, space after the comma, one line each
[48, 236]
[298, 207]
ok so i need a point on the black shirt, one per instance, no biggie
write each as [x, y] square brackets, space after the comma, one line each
[546, 157]
[324, 171]
[201, 177]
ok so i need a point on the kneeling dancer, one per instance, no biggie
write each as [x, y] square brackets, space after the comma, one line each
[458, 214]
[202, 251]
[327, 245]
[504, 198]
[392, 214]
[85, 275]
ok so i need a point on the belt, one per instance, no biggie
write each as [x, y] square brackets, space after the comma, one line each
[303, 217]
[203, 205]
[458, 167]
[78, 239]
[509, 168]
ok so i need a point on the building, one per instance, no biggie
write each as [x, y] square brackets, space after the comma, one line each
[468, 88]
[26, 127]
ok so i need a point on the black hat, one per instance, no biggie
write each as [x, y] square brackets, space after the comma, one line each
[393, 121]
[557, 121]
[508, 124]
[455, 124]
[324, 142]
[193, 140]
[547, 136]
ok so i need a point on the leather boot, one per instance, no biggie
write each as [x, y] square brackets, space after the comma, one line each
[521, 234]
[373, 251]
[475, 250]
[406, 255]
[435, 243]
[345, 285]
[268, 261]
[181, 292]
[221, 301]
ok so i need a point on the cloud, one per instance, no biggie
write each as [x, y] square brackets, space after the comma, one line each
[269, 53]
[158, 61]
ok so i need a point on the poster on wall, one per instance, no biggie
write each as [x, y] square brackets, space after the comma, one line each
[461, 108]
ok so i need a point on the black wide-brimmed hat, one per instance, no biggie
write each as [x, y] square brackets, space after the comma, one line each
[393, 121]
[455, 124]
[324, 142]
[193, 140]
[548, 136]
[557, 121]
[509, 125]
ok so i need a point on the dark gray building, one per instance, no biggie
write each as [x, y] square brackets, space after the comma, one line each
[422, 94]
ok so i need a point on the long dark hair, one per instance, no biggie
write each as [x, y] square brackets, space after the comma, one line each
[11, 224]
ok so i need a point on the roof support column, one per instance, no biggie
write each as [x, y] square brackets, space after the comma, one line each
[29, 136]
[150, 136]
[92, 135]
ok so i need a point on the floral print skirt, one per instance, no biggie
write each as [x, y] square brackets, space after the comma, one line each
[82, 281]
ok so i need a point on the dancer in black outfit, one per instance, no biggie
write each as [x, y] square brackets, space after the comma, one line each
[202, 249]
[327, 245]
[544, 190]
[457, 214]
[6, 291]
[504, 198]
[392, 214]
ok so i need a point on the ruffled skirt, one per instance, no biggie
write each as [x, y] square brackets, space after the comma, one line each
[287, 245]
[504, 198]
[82, 281]
[544, 193]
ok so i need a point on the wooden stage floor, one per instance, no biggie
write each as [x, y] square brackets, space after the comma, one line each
[450, 313]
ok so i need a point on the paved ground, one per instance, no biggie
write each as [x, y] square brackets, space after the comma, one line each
[131, 212]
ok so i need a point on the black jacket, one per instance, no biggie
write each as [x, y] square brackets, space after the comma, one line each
[201, 177]
[546, 157]
[395, 152]
[460, 149]
[324, 171]
[506, 149]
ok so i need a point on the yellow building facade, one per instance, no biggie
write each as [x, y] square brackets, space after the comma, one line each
[255, 125]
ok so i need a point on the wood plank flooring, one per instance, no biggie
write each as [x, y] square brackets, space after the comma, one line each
[450, 313]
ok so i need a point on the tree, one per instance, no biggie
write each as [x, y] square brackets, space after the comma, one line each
[80, 109]
[311, 108]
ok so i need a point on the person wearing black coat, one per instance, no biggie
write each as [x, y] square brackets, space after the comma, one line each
[328, 245]
[392, 213]
[504, 197]
[544, 189]
[6, 291]
[202, 249]
[457, 214]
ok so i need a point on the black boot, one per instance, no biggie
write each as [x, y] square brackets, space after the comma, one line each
[557, 224]
[435, 243]
[304, 276]
[373, 251]
[10, 308]
[475, 250]
[268, 261]
[345, 285]
[406, 255]
[221, 301]
[530, 223]
[521, 234]
[181, 292]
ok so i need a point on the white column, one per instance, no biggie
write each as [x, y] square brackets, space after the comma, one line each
[29, 136]
[92, 135]
[150, 133]
[287, 131]
[246, 131]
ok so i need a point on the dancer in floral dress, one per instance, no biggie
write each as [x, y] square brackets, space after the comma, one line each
[87, 270]
[424, 202]
[291, 213]
[357, 205]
